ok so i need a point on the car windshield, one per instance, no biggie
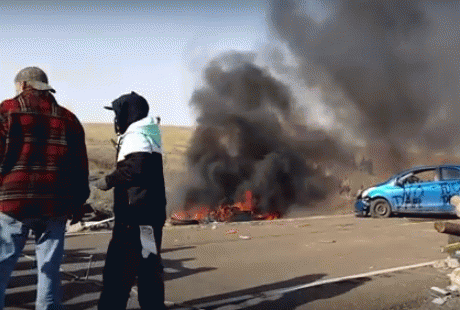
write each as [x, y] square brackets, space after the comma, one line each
[417, 176]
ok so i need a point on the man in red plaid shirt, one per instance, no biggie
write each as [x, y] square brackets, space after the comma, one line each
[43, 180]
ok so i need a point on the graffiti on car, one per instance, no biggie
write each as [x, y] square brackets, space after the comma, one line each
[422, 189]
[448, 190]
[411, 197]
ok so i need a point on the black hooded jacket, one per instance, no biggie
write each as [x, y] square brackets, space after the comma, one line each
[138, 180]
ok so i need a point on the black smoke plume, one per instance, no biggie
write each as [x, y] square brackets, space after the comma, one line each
[247, 139]
[392, 66]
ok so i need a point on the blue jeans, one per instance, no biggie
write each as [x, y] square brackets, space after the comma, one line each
[49, 250]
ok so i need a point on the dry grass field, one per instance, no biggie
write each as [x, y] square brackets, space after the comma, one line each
[101, 151]
[101, 155]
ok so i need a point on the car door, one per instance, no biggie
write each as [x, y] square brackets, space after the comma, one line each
[423, 193]
[432, 197]
[415, 199]
[407, 194]
[397, 194]
[450, 186]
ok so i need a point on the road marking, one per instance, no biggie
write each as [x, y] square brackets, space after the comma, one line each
[89, 233]
[356, 276]
[415, 223]
[277, 293]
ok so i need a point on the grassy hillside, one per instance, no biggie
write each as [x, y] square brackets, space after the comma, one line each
[101, 151]
[101, 155]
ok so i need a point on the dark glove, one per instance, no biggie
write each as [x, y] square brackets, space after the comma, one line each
[77, 216]
[80, 213]
[101, 184]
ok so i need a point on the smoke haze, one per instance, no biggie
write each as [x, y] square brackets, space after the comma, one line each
[387, 71]
[248, 138]
[391, 65]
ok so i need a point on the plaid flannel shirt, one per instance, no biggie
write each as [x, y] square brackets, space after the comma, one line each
[43, 159]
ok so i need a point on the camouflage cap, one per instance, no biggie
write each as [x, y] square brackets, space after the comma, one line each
[35, 77]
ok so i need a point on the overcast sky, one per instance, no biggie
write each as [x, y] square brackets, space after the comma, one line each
[95, 51]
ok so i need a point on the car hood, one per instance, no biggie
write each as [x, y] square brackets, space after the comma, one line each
[369, 190]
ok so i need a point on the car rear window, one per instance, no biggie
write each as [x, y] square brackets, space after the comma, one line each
[450, 174]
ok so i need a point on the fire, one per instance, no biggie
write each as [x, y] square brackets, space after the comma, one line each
[245, 208]
[248, 204]
[196, 213]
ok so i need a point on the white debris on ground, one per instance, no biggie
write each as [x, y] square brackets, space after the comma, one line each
[455, 278]
[450, 262]
[90, 225]
[448, 297]
[441, 296]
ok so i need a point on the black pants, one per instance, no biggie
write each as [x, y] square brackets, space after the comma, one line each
[124, 262]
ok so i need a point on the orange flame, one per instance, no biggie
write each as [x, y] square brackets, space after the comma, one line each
[248, 204]
[224, 212]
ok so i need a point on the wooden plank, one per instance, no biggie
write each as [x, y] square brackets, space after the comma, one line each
[447, 228]
[451, 247]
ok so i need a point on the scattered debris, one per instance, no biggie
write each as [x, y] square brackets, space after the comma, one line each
[455, 277]
[450, 248]
[439, 291]
[245, 237]
[440, 264]
[453, 288]
[440, 295]
[91, 225]
[452, 262]
[439, 301]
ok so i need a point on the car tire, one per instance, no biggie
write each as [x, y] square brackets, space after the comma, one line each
[380, 208]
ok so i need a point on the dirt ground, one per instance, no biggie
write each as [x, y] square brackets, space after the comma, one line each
[208, 266]
[320, 262]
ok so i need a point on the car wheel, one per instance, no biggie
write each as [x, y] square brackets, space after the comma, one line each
[380, 208]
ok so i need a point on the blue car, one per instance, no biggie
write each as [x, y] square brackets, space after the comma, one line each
[425, 189]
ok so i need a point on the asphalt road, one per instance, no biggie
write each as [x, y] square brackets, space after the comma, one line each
[284, 264]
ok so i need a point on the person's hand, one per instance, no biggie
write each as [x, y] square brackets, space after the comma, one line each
[80, 213]
[76, 216]
[101, 184]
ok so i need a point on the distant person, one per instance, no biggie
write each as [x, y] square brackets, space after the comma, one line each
[43, 180]
[139, 207]
[345, 187]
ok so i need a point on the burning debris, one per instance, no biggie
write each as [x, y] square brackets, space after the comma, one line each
[244, 210]
[250, 157]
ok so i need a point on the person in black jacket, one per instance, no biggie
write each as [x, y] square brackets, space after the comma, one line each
[139, 207]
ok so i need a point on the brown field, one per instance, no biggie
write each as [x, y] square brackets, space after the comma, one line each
[101, 153]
